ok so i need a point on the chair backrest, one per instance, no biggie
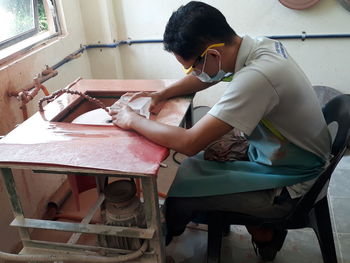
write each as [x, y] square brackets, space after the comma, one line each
[336, 110]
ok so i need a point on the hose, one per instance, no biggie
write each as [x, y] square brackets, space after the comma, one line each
[74, 257]
[174, 158]
[73, 92]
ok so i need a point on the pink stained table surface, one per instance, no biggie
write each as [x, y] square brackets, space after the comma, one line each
[50, 143]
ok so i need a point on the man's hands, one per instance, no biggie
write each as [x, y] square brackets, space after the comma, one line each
[123, 115]
[187, 141]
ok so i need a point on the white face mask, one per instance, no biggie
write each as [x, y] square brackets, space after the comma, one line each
[219, 76]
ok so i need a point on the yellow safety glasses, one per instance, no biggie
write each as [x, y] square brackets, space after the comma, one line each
[198, 59]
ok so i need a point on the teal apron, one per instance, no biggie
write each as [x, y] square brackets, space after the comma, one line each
[273, 162]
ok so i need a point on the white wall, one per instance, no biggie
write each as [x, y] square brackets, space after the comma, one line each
[35, 188]
[326, 62]
[100, 27]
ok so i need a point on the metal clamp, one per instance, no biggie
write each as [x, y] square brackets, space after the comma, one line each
[303, 36]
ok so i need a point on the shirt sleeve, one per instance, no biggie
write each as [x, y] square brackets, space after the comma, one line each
[248, 98]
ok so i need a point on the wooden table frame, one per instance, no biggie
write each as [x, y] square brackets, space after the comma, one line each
[152, 234]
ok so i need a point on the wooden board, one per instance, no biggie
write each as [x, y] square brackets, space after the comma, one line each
[44, 142]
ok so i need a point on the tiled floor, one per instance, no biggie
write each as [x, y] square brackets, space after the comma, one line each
[339, 196]
[300, 245]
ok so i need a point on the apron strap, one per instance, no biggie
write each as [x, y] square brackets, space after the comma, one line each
[269, 126]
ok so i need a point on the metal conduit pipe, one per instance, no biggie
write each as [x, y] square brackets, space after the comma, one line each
[74, 257]
[75, 54]
[68, 58]
[81, 50]
[305, 36]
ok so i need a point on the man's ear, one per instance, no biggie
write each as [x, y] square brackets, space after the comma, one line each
[214, 53]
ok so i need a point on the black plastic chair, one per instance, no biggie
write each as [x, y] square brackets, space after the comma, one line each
[311, 210]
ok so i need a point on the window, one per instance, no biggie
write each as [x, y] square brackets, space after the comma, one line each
[24, 19]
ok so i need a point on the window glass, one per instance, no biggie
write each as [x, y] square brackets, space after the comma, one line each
[16, 17]
[22, 19]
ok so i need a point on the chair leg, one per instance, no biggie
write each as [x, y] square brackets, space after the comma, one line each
[215, 223]
[321, 223]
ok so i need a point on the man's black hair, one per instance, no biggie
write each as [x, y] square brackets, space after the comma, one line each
[193, 27]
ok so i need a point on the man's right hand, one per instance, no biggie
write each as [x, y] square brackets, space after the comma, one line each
[185, 86]
[154, 95]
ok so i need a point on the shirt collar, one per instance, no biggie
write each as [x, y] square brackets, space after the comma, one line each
[244, 52]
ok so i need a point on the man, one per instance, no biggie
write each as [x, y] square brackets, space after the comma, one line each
[268, 98]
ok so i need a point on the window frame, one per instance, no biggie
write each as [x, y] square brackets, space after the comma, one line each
[33, 37]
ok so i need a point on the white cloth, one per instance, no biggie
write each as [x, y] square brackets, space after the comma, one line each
[140, 105]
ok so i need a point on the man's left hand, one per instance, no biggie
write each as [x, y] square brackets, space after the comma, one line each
[123, 116]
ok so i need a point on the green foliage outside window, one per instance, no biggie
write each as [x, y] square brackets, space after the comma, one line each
[43, 25]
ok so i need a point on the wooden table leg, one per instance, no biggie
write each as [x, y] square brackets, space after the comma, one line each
[14, 200]
[152, 213]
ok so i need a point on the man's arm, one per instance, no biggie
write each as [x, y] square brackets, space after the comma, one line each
[187, 85]
[186, 141]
